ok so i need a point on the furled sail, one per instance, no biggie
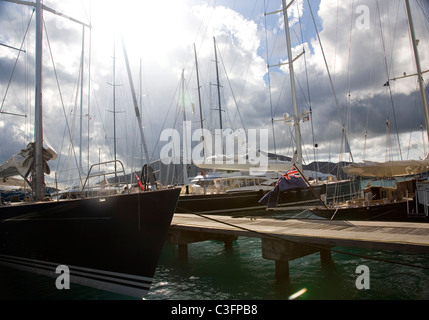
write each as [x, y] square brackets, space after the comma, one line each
[260, 163]
[388, 169]
[23, 162]
[270, 167]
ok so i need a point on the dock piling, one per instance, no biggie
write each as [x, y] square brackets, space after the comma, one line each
[326, 256]
[183, 238]
[283, 251]
[286, 240]
[282, 270]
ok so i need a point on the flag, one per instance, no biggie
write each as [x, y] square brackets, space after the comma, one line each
[387, 84]
[141, 187]
[290, 180]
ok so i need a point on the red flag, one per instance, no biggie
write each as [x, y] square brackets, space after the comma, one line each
[292, 173]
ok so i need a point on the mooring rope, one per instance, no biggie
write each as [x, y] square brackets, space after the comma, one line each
[262, 234]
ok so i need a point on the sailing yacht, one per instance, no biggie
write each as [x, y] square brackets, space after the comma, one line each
[110, 242]
[237, 193]
[408, 199]
[231, 190]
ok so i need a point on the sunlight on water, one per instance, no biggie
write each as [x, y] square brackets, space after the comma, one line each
[213, 272]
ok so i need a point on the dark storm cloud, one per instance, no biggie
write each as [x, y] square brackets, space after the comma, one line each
[19, 74]
[355, 57]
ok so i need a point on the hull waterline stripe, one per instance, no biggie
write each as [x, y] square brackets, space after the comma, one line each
[100, 279]
[53, 264]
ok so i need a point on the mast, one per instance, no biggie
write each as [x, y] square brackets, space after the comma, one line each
[419, 69]
[140, 89]
[218, 92]
[114, 105]
[39, 179]
[81, 99]
[89, 83]
[38, 184]
[136, 109]
[199, 99]
[185, 133]
[141, 98]
[293, 88]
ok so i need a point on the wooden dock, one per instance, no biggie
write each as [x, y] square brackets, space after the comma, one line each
[286, 240]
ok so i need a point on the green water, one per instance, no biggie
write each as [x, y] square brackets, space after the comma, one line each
[213, 272]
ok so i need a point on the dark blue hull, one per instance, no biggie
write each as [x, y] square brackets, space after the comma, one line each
[111, 243]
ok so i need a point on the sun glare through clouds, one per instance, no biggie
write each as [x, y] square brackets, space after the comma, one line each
[150, 27]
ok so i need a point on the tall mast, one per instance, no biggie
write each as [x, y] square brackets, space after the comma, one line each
[39, 178]
[114, 112]
[114, 104]
[199, 98]
[218, 92]
[419, 69]
[185, 154]
[81, 99]
[141, 90]
[136, 110]
[141, 95]
[39, 175]
[89, 83]
[293, 88]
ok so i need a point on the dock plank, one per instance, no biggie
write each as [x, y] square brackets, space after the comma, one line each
[395, 236]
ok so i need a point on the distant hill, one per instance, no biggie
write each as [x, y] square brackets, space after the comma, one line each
[321, 166]
[328, 168]
[173, 174]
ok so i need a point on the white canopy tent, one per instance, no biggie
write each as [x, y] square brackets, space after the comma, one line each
[389, 169]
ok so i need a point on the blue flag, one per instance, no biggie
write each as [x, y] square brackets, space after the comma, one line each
[290, 180]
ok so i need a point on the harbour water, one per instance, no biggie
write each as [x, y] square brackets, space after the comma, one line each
[212, 271]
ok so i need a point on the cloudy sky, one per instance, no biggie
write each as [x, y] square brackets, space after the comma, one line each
[365, 43]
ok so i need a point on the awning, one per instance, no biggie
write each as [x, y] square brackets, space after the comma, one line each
[387, 169]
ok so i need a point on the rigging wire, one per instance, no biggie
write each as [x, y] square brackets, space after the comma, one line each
[279, 99]
[62, 101]
[388, 86]
[394, 36]
[232, 92]
[370, 78]
[309, 97]
[269, 81]
[16, 61]
[173, 100]
[245, 77]
[417, 89]
[327, 68]
[423, 10]
[89, 77]
[348, 115]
